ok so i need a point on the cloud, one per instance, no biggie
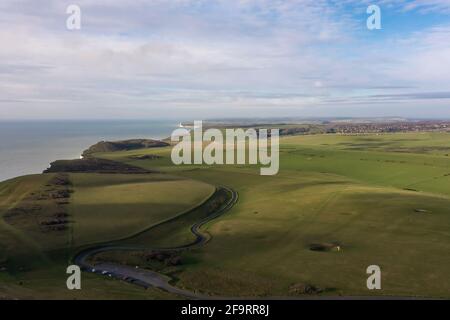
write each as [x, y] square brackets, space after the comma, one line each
[413, 96]
[209, 56]
[439, 6]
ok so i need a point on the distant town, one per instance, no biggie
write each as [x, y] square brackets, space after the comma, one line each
[389, 127]
[338, 126]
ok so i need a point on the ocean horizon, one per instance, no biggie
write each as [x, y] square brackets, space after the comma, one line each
[28, 147]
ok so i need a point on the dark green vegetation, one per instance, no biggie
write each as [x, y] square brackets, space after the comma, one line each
[339, 204]
[93, 165]
[109, 146]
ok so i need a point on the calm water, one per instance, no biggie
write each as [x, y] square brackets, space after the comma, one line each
[29, 147]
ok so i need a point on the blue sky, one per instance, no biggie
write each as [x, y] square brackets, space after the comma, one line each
[222, 58]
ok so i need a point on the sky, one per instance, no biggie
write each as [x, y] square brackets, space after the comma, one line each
[200, 59]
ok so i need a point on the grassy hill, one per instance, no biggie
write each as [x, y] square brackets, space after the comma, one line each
[384, 199]
[132, 144]
[339, 204]
[40, 233]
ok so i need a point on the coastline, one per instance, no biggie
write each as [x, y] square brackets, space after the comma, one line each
[31, 146]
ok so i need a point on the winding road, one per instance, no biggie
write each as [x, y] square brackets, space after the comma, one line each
[147, 278]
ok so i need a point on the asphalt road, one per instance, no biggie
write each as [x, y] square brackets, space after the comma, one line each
[147, 278]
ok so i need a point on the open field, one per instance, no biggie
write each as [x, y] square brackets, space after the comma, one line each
[382, 206]
[102, 207]
[112, 207]
[263, 246]
[421, 142]
[339, 204]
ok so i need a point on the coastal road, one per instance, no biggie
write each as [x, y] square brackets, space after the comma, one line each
[147, 278]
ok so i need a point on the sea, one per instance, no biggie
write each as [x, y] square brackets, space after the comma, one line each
[28, 147]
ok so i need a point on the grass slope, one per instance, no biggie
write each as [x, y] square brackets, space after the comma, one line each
[103, 207]
[384, 199]
[366, 193]
[112, 207]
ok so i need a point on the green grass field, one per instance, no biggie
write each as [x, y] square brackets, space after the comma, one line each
[385, 199]
[363, 192]
[110, 207]
[103, 207]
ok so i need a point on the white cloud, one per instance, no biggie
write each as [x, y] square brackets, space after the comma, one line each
[184, 55]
